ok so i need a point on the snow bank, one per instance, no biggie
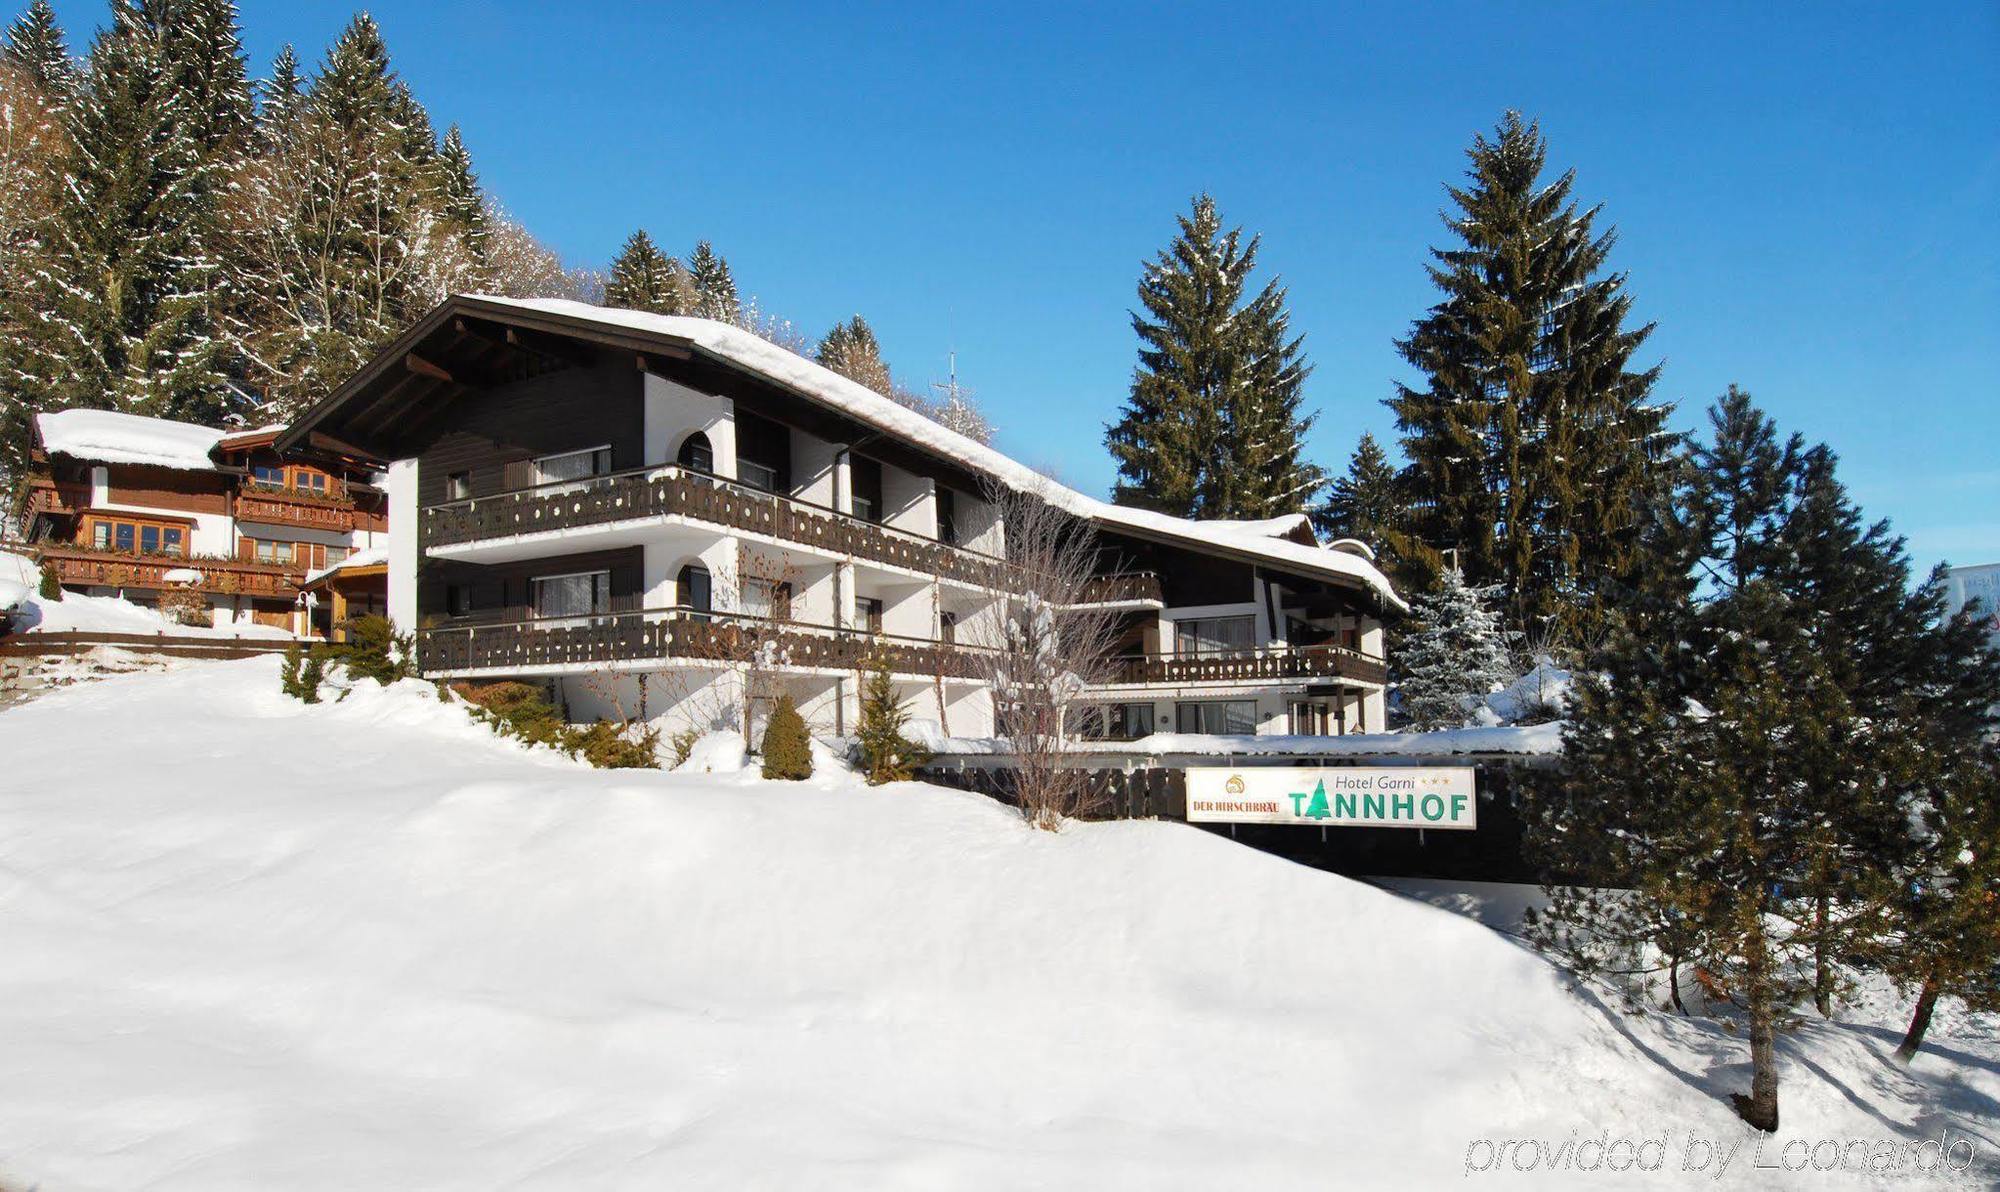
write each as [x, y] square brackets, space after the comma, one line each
[787, 368]
[1538, 740]
[417, 955]
[1541, 693]
[107, 436]
[78, 613]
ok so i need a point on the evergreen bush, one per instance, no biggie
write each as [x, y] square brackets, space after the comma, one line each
[886, 754]
[609, 745]
[374, 650]
[787, 747]
[51, 587]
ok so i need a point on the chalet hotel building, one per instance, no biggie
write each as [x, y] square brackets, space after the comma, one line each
[618, 505]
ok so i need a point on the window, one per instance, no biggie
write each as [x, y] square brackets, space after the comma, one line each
[864, 482]
[948, 628]
[756, 475]
[1215, 635]
[458, 486]
[694, 588]
[763, 598]
[696, 454]
[335, 555]
[947, 516]
[573, 465]
[1116, 722]
[582, 595]
[307, 480]
[275, 552]
[457, 600]
[133, 535]
[268, 474]
[870, 609]
[1234, 718]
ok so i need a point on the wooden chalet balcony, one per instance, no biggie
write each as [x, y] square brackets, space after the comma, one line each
[674, 491]
[289, 507]
[538, 644]
[52, 499]
[1304, 662]
[228, 577]
[1129, 587]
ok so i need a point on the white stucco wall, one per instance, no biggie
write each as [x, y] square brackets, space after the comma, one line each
[401, 483]
[674, 411]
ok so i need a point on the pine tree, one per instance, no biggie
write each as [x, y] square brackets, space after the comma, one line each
[1368, 503]
[129, 299]
[714, 288]
[1531, 440]
[644, 278]
[284, 92]
[1211, 426]
[35, 44]
[34, 155]
[464, 202]
[851, 350]
[1454, 658]
[886, 754]
[1750, 755]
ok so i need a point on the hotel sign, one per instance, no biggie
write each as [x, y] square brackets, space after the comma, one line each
[1337, 796]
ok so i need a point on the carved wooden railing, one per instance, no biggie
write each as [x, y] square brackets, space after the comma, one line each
[54, 499]
[673, 491]
[1129, 587]
[1304, 662]
[286, 508]
[680, 633]
[75, 565]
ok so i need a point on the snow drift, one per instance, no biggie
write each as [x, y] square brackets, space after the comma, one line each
[368, 944]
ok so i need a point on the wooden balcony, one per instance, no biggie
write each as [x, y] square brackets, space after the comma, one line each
[675, 492]
[225, 577]
[1130, 587]
[1251, 666]
[531, 645]
[48, 498]
[287, 507]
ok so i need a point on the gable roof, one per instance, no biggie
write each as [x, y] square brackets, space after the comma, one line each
[108, 436]
[1258, 541]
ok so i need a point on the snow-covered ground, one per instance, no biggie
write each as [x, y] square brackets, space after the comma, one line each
[253, 945]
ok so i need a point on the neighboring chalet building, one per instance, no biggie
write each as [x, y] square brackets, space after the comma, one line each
[120, 505]
[630, 507]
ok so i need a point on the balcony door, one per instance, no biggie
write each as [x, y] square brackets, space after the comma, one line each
[583, 594]
[1215, 635]
[572, 466]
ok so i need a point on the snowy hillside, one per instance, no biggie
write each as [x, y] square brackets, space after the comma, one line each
[256, 945]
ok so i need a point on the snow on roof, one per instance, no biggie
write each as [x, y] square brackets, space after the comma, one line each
[1268, 527]
[1533, 740]
[108, 436]
[767, 359]
[373, 557]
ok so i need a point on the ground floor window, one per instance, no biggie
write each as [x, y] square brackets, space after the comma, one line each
[580, 595]
[1235, 718]
[1115, 722]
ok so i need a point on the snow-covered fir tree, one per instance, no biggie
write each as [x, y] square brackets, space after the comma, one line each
[714, 288]
[464, 202]
[35, 44]
[1531, 437]
[1455, 657]
[1211, 427]
[644, 278]
[852, 350]
[1368, 503]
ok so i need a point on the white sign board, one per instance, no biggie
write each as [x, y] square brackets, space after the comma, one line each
[1339, 796]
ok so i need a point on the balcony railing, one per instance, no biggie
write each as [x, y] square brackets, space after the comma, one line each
[662, 633]
[289, 507]
[229, 577]
[1304, 662]
[674, 491]
[1127, 587]
[53, 499]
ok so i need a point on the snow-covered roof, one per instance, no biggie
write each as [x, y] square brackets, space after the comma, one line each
[1533, 740]
[107, 436]
[373, 557]
[760, 356]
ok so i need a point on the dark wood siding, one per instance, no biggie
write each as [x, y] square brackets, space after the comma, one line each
[500, 590]
[569, 410]
[168, 488]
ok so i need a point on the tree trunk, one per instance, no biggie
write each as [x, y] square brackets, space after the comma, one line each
[1674, 984]
[1920, 1021]
[1760, 1108]
[1822, 962]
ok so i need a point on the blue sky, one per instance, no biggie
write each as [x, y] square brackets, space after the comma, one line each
[1806, 195]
